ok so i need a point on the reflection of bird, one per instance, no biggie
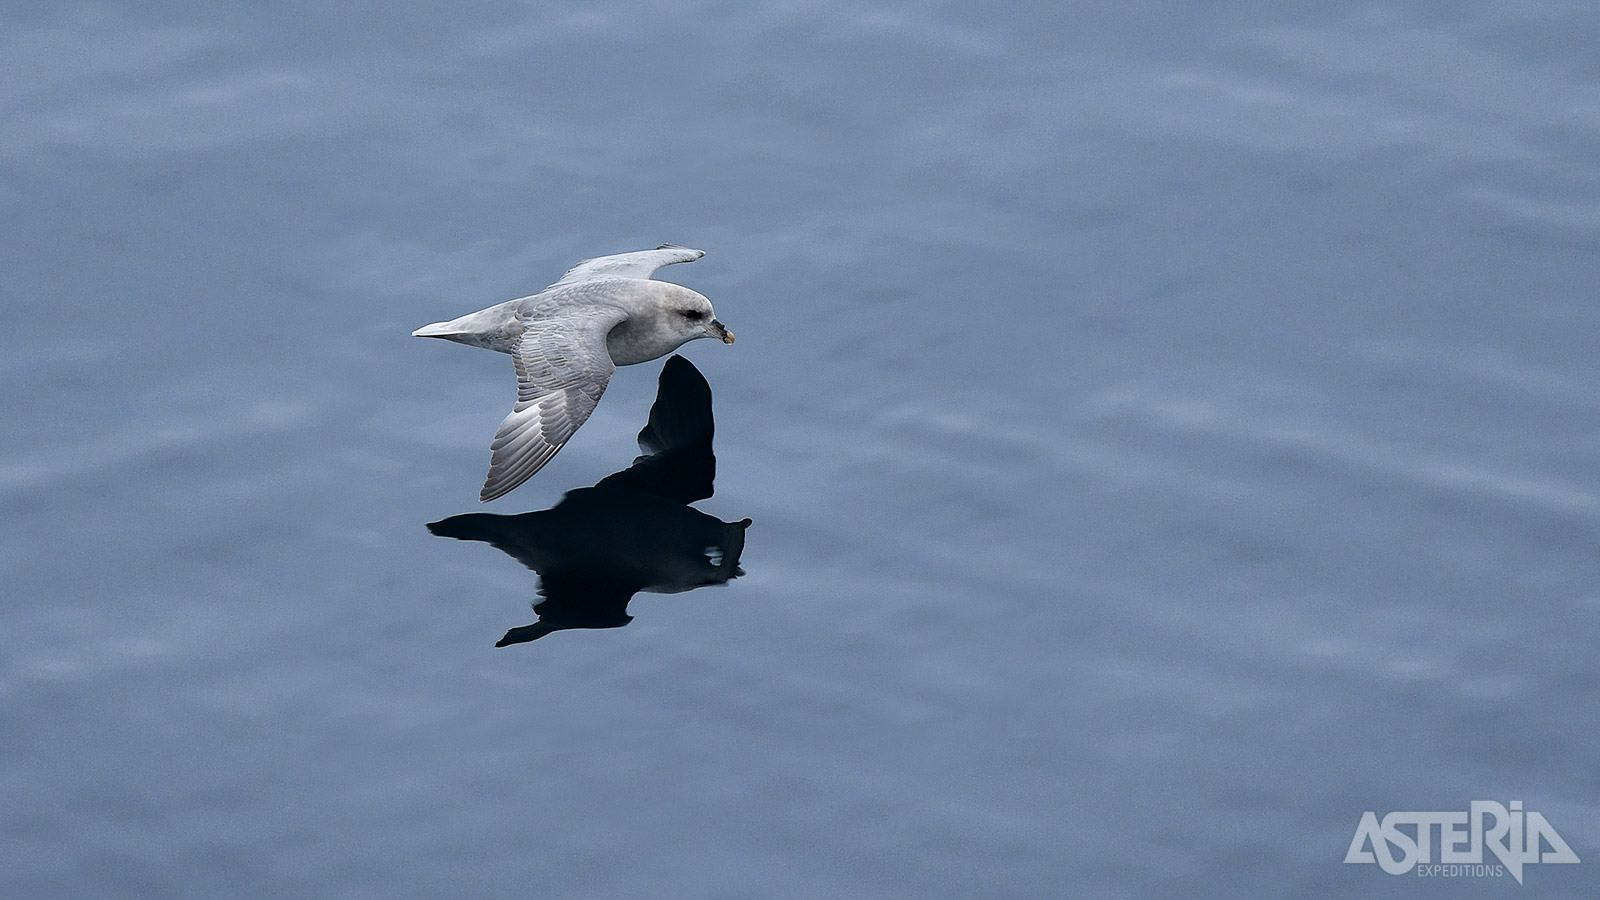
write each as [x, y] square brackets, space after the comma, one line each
[566, 341]
[598, 547]
[631, 532]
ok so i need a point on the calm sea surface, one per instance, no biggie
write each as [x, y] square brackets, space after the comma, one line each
[1171, 431]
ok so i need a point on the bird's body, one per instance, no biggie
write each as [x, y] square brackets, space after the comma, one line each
[566, 340]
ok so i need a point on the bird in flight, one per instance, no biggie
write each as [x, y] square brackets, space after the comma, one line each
[565, 342]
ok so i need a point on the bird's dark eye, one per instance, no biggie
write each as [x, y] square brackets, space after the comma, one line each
[693, 315]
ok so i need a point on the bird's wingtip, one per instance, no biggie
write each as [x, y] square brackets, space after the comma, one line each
[671, 246]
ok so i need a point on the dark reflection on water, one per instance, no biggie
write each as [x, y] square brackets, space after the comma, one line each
[633, 531]
[1172, 428]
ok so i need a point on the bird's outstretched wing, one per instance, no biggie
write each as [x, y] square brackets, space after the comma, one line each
[562, 369]
[638, 264]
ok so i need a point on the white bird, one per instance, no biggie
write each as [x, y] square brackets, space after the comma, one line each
[565, 342]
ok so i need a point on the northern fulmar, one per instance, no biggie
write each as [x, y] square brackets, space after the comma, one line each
[565, 342]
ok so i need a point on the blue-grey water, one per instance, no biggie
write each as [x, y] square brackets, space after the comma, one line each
[1170, 430]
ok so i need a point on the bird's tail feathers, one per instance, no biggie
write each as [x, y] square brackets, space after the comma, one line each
[437, 329]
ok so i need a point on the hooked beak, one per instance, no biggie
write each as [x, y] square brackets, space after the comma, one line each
[720, 330]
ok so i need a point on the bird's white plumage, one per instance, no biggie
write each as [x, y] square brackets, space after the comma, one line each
[638, 264]
[562, 369]
[565, 342]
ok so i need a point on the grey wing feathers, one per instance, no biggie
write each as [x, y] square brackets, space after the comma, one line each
[561, 372]
[638, 264]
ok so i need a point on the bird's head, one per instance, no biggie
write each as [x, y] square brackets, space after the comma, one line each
[694, 318]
